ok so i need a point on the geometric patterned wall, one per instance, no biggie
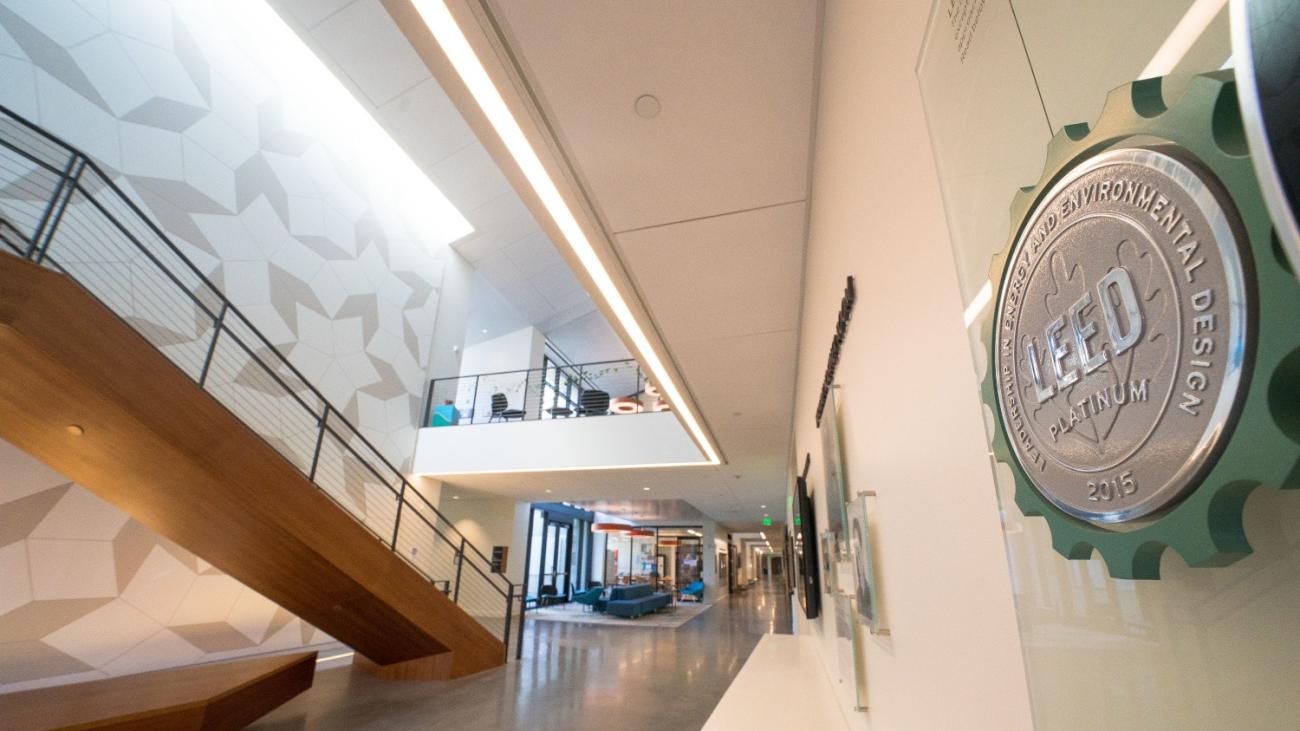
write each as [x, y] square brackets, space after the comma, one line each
[87, 592]
[288, 216]
[297, 228]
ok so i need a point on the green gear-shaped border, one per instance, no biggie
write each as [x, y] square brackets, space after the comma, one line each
[1206, 527]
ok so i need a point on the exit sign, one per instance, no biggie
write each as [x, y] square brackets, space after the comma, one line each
[767, 521]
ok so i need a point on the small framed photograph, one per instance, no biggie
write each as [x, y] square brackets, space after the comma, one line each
[863, 576]
[829, 552]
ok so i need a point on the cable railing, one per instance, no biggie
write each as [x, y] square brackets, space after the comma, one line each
[554, 391]
[60, 210]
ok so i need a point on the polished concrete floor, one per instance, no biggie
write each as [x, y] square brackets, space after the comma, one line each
[571, 677]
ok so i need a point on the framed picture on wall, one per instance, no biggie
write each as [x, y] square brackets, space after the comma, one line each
[864, 578]
[833, 466]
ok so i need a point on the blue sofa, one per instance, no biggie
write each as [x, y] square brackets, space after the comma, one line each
[635, 600]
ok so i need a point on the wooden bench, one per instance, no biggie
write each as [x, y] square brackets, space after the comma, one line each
[226, 695]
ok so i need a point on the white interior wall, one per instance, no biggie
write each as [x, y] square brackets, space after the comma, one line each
[514, 351]
[492, 521]
[447, 348]
[911, 420]
[87, 592]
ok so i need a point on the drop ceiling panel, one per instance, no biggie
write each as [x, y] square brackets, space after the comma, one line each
[723, 276]
[426, 124]
[469, 178]
[507, 218]
[534, 252]
[363, 40]
[588, 339]
[753, 375]
[501, 271]
[311, 12]
[734, 79]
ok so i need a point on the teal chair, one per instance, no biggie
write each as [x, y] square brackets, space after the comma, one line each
[588, 598]
[695, 590]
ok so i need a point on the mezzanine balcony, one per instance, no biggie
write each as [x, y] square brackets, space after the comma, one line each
[551, 418]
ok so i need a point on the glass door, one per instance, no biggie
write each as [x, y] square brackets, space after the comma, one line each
[556, 558]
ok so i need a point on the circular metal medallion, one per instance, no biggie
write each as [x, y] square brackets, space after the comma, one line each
[1121, 334]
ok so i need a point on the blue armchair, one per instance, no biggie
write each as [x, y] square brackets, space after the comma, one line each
[693, 592]
[588, 598]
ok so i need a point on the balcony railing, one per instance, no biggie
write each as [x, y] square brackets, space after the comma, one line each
[60, 210]
[552, 392]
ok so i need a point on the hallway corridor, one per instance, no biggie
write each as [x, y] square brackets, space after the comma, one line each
[572, 676]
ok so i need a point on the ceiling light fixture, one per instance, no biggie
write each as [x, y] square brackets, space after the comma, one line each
[610, 528]
[646, 489]
[447, 33]
[642, 533]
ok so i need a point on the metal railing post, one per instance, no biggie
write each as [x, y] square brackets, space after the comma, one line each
[212, 347]
[428, 405]
[473, 404]
[581, 390]
[460, 562]
[510, 608]
[523, 607]
[528, 378]
[49, 222]
[397, 522]
[320, 437]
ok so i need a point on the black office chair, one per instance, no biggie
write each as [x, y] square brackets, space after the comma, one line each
[547, 595]
[593, 403]
[501, 409]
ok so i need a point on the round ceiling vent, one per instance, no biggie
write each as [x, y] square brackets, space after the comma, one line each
[647, 106]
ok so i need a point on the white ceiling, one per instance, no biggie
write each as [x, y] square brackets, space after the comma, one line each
[734, 79]
[363, 46]
[706, 204]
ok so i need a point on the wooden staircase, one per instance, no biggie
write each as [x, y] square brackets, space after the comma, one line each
[82, 391]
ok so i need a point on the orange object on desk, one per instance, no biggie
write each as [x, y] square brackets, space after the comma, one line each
[624, 405]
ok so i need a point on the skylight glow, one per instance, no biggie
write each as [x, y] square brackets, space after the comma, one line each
[316, 103]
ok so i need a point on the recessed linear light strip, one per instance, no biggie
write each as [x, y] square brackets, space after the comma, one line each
[563, 469]
[438, 18]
